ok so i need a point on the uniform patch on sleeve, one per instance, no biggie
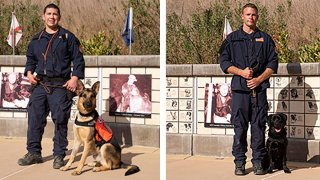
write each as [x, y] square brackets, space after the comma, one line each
[81, 49]
[260, 39]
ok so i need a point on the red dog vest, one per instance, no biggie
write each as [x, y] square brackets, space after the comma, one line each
[103, 131]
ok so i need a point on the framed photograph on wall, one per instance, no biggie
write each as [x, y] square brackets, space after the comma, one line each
[218, 99]
[130, 95]
[14, 94]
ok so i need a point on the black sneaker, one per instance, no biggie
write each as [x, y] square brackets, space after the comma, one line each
[258, 169]
[30, 158]
[58, 162]
[240, 169]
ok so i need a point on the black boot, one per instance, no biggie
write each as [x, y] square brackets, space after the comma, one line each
[258, 169]
[240, 169]
[58, 162]
[30, 158]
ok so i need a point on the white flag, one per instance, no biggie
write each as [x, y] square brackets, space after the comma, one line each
[227, 28]
[15, 32]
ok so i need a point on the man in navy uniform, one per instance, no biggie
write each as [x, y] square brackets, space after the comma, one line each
[249, 54]
[49, 55]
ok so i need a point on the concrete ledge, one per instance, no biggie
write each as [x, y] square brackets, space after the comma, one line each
[179, 70]
[96, 61]
[127, 134]
[91, 60]
[9, 60]
[207, 69]
[300, 150]
[179, 144]
[299, 69]
[214, 69]
[129, 61]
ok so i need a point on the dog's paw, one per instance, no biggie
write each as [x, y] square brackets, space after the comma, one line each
[76, 173]
[286, 170]
[64, 168]
[270, 170]
[96, 169]
[92, 164]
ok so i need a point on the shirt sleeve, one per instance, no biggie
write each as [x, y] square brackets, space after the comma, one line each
[76, 58]
[31, 62]
[272, 56]
[225, 56]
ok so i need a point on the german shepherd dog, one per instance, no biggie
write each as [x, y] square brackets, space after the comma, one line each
[84, 133]
[277, 142]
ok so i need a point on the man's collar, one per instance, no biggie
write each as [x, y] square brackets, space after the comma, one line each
[243, 34]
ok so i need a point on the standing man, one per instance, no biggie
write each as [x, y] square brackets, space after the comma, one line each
[128, 90]
[50, 54]
[249, 54]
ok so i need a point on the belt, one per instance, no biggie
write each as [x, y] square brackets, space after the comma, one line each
[42, 80]
[52, 79]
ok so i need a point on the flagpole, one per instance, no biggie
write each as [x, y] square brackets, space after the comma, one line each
[130, 42]
[13, 30]
[13, 33]
[130, 27]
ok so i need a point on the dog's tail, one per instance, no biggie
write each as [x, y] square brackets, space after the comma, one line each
[131, 169]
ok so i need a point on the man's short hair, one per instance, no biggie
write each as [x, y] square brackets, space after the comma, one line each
[51, 5]
[251, 5]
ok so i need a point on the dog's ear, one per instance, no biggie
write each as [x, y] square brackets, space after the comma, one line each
[96, 86]
[283, 116]
[80, 87]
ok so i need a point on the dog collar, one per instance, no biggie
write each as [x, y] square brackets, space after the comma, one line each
[90, 123]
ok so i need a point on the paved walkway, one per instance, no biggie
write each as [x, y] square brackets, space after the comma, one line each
[178, 167]
[148, 159]
[209, 168]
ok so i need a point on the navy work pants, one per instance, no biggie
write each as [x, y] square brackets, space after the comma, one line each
[40, 104]
[245, 110]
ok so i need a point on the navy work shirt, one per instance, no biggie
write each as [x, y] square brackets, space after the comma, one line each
[242, 50]
[63, 50]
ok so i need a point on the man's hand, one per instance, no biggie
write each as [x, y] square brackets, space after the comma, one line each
[246, 73]
[71, 85]
[253, 83]
[32, 79]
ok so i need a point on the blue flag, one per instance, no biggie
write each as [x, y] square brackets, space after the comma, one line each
[127, 32]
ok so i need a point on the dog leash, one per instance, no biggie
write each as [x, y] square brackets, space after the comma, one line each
[47, 87]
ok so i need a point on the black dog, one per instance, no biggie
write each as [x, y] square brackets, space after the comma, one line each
[277, 142]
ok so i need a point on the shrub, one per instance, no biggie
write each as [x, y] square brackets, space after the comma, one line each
[310, 52]
[96, 45]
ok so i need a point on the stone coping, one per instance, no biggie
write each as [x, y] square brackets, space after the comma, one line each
[309, 69]
[96, 61]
